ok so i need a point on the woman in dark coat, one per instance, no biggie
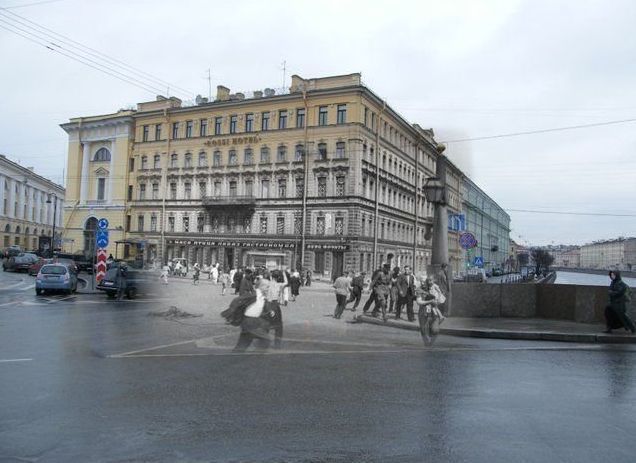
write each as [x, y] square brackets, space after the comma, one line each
[616, 312]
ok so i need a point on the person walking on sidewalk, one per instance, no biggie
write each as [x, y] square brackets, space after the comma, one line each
[196, 274]
[225, 281]
[246, 286]
[357, 285]
[393, 289]
[381, 287]
[342, 287]
[294, 284]
[372, 297]
[406, 294]
[164, 274]
[616, 312]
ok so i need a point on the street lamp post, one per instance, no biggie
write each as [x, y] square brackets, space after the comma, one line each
[436, 193]
[48, 201]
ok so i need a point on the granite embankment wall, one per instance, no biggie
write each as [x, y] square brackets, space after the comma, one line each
[578, 303]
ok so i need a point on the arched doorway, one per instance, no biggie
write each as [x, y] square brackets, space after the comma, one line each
[90, 228]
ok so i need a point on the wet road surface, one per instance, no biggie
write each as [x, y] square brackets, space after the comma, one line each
[86, 379]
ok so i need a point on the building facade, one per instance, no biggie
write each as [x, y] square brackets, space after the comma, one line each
[617, 254]
[490, 225]
[29, 205]
[326, 175]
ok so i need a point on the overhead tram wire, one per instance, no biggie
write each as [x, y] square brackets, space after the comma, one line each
[29, 4]
[533, 132]
[70, 43]
[126, 79]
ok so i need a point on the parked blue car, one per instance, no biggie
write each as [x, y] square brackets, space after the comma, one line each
[56, 277]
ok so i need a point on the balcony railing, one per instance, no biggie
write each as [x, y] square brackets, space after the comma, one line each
[243, 201]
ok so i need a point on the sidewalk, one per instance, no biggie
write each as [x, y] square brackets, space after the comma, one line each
[516, 328]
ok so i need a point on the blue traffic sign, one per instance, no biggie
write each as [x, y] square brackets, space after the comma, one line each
[467, 240]
[101, 238]
[479, 261]
[102, 224]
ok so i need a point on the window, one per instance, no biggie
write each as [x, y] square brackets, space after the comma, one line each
[146, 132]
[280, 225]
[101, 189]
[203, 128]
[282, 188]
[263, 225]
[300, 187]
[232, 158]
[186, 224]
[265, 121]
[282, 119]
[340, 150]
[174, 159]
[187, 163]
[300, 118]
[249, 122]
[249, 188]
[187, 188]
[157, 133]
[265, 154]
[155, 191]
[217, 189]
[216, 159]
[140, 223]
[144, 162]
[131, 164]
[366, 116]
[175, 130]
[129, 197]
[299, 153]
[265, 188]
[320, 225]
[203, 188]
[321, 154]
[281, 155]
[171, 223]
[153, 223]
[340, 185]
[203, 160]
[298, 224]
[200, 222]
[102, 154]
[322, 187]
[142, 191]
[248, 155]
[233, 189]
[322, 115]
[339, 226]
[342, 114]
[189, 125]
[173, 190]
[233, 123]
[218, 125]
[156, 164]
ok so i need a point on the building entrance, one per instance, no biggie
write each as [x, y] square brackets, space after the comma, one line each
[337, 264]
[228, 260]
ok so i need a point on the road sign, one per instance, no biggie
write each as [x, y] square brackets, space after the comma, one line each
[456, 222]
[101, 238]
[467, 240]
[479, 261]
[102, 224]
[100, 272]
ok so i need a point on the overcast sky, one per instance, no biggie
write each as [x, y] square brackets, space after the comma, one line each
[467, 69]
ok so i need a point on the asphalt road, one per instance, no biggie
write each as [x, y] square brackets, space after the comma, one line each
[86, 379]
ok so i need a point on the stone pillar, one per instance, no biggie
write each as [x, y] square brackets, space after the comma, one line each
[111, 172]
[84, 176]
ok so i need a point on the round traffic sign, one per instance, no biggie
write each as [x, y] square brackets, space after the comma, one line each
[102, 224]
[467, 240]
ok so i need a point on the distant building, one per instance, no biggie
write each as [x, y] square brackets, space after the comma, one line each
[27, 204]
[617, 254]
[567, 257]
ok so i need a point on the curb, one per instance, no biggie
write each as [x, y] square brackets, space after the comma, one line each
[84, 289]
[507, 334]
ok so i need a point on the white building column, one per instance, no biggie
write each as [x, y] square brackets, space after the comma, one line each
[111, 172]
[85, 176]
[2, 180]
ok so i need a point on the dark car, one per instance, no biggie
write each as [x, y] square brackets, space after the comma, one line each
[20, 263]
[135, 281]
[81, 262]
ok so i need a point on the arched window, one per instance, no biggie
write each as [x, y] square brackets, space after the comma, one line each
[7, 228]
[17, 229]
[102, 154]
[26, 232]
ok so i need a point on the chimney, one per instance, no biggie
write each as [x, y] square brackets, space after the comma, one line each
[258, 94]
[270, 92]
[222, 93]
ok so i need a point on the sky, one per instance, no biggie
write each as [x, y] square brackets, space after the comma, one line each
[469, 70]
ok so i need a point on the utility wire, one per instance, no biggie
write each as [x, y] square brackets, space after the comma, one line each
[124, 78]
[532, 132]
[46, 34]
[599, 214]
[29, 4]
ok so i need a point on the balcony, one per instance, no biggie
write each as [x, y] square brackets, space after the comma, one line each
[229, 202]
